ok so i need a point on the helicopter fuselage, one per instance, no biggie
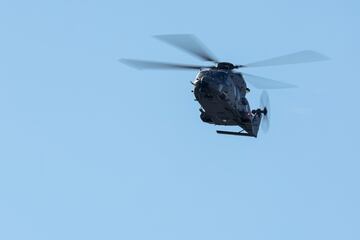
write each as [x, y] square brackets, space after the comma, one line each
[222, 96]
[220, 90]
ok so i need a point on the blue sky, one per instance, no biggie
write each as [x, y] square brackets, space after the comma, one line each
[92, 149]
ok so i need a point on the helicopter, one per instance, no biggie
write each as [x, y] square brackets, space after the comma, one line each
[221, 90]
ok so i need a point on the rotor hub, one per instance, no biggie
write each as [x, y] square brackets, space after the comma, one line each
[225, 66]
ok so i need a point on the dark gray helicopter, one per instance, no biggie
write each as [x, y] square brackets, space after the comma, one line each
[221, 91]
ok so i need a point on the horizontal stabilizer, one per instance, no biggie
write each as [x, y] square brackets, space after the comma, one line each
[235, 133]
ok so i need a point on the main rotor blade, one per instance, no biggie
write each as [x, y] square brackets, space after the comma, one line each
[294, 58]
[265, 83]
[190, 44]
[142, 64]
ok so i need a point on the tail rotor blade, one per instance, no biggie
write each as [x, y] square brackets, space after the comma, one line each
[265, 124]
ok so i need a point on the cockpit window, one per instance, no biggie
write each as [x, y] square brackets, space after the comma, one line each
[216, 76]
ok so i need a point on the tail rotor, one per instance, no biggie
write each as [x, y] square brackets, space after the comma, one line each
[265, 107]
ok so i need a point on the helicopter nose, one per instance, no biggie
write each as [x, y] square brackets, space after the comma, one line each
[203, 84]
[214, 86]
[209, 88]
[209, 84]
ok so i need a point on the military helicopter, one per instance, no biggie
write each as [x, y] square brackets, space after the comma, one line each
[221, 91]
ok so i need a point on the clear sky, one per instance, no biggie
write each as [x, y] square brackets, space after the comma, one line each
[92, 149]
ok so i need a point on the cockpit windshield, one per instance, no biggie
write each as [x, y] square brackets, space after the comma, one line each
[215, 75]
[221, 76]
